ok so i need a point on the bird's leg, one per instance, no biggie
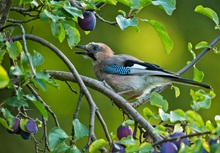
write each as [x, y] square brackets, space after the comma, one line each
[106, 85]
[133, 97]
[124, 92]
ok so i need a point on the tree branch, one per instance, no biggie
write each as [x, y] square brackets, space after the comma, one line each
[74, 72]
[45, 105]
[5, 11]
[180, 72]
[117, 99]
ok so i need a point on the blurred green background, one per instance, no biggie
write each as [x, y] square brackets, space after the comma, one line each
[183, 26]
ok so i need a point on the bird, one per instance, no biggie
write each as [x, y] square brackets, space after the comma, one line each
[128, 75]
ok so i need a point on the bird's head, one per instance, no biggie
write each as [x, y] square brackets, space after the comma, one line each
[96, 51]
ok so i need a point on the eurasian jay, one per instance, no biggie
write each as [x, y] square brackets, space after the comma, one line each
[128, 75]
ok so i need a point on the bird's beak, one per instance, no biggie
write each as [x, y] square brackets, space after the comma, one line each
[81, 47]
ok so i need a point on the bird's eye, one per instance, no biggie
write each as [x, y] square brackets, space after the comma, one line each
[95, 47]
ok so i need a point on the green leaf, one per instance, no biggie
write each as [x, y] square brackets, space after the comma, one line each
[58, 31]
[200, 100]
[208, 12]
[191, 50]
[145, 147]
[162, 33]
[43, 77]
[124, 23]
[73, 35]
[197, 74]
[14, 49]
[128, 141]
[4, 79]
[80, 130]
[96, 145]
[57, 138]
[202, 44]
[2, 39]
[15, 70]
[41, 108]
[2, 53]
[132, 148]
[126, 2]
[112, 2]
[164, 116]
[61, 148]
[15, 102]
[160, 129]
[5, 124]
[139, 4]
[157, 100]
[148, 113]
[45, 15]
[177, 91]
[167, 5]
[23, 123]
[37, 59]
[73, 11]
[8, 116]
[24, 1]
[72, 149]
[24, 64]
[177, 115]
[195, 121]
[209, 126]
[128, 123]
[39, 83]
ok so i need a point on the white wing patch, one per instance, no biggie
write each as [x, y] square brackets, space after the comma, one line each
[138, 66]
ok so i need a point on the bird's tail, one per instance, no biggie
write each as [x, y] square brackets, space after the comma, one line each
[191, 82]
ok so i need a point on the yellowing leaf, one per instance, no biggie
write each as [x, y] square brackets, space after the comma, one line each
[4, 79]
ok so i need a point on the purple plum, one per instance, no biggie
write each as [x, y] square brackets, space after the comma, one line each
[124, 131]
[31, 126]
[178, 142]
[118, 148]
[16, 126]
[88, 21]
[168, 147]
[25, 135]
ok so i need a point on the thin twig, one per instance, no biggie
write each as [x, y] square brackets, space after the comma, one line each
[45, 136]
[181, 137]
[74, 91]
[104, 126]
[45, 104]
[75, 115]
[106, 21]
[22, 21]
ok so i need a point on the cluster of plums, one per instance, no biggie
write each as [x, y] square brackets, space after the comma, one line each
[26, 130]
[122, 132]
[174, 146]
[88, 21]
[166, 147]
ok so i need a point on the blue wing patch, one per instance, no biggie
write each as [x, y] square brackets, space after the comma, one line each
[116, 69]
